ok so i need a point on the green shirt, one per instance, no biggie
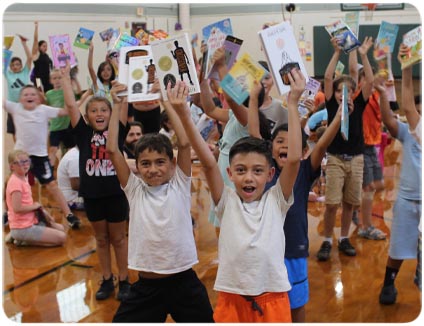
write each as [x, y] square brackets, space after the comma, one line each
[55, 98]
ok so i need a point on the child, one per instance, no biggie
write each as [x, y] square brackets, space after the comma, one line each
[405, 230]
[252, 280]
[161, 242]
[23, 222]
[345, 164]
[31, 121]
[104, 200]
[60, 131]
[17, 77]
[167, 129]
[102, 80]
[296, 223]
[42, 62]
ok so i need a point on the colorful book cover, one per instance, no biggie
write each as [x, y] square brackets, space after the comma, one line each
[347, 39]
[106, 35]
[84, 38]
[413, 40]
[214, 35]
[174, 61]
[8, 41]
[124, 40]
[386, 39]
[344, 127]
[352, 20]
[7, 55]
[282, 53]
[125, 54]
[60, 46]
[339, 69]
[136, 27]
[239, 80]
[113, 39]
[232, 47]
[141, 77]
[311, 89]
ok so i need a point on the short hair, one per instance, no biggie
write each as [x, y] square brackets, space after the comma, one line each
[154, 142]
[13, 59]
[344, 79]
[285, 127]
[27, 86]
[54, 71]
[136, 124]
[14, 154]
[97, 99]
[249, 144]
[320, 131]
[264, 65]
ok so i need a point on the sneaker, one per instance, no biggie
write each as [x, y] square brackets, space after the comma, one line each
[324, 252]
[388, 294]
[106, 289]
[124, 289]
[346, 247]
[8, 238]
[73, 221]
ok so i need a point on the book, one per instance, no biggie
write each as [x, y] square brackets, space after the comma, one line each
[136, 27]
[282, 54]
[352, 20]
[232, 47]
[61, 48]
[413, 40]
[214, 35]
[239, 80]
[141, 77]
[84, 38]
[7, 55]
[124, 40]
[344, 126]
[339, 68]
[311, 89]
[347, 39]
[386, 39]
[106, 35]
[8, 41]
[174, 60]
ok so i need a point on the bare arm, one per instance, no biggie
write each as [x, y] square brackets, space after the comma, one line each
[35, 52]
[112, 147]
[288, 175]
[367, 85]
[17, 204]
[91, 70]
[69, 97]
[208, 104]
[210, 167]
[253, 112]
[75, 183]
[408, 103]
[353, 65]
[329, 72]
[387, 116]
[177, 100]
[27, 51]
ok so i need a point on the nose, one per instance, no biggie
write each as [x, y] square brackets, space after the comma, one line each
[248, 177]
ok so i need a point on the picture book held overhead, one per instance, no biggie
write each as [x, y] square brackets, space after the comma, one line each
[60, 46]
[347, 40]
[84, 38]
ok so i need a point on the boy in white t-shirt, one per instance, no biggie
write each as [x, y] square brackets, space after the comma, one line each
[252, 281]
[161, 245]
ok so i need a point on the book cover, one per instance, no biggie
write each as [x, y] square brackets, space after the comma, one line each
[125, 54]
[282, 54]
[141, 77]
[203, 66]
[311, 89]
[113, 39]
[106, 35]
[344, 126]
[352, 20]
[386, 39]
[8, 41]
[124, 40]
[174, 60]
[214, 35]
[7, 55]
[347, 39]
[232, 47]
[339, 68]
[84, 38]
[413, 40]
[239, 80]
[136, 27]
[60, 46]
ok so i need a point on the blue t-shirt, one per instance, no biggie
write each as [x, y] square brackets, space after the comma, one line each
[15, 81]
[296, 224]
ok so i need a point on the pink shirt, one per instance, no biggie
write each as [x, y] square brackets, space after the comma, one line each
[19, 221]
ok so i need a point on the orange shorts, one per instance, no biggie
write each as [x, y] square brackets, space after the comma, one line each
[270, 307]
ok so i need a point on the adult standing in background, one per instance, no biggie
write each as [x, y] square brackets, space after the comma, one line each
[42, 62]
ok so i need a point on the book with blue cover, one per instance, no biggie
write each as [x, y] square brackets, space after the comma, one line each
[352, 20]
[239, 80]
[386, 39]
[7, 55]
[344, 126]
[347, 39]
[84, 38]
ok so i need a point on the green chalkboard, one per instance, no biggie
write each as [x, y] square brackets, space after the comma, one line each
[323, 50]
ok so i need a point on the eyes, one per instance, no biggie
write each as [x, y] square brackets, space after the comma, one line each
[242, 170]
[158, 163]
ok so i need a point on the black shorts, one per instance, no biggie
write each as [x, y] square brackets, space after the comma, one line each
[181, 295]
[64, 136]
[10, 126]
[113, 209]
[42, 169]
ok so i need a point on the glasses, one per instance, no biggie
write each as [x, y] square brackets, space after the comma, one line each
[22, 162]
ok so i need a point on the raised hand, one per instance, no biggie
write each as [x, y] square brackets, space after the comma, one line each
[218, 57]
[177, 96]
[403, 52]
[365, 46]
[297, 84]
[117, 88]
[336, 43]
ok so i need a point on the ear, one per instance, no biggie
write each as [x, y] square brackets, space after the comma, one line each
[174, 161]
[85, 117]
[271, 174]
[230, 174]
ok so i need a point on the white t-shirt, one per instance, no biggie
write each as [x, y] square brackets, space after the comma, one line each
[68, 168]
[252, 243]
[160, 238]
[417, 133]
[32, 127]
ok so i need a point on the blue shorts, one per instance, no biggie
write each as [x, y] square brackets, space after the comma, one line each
[297, 270]
[404, 231]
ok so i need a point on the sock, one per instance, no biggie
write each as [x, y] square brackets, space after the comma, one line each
[341, 238]
[391, 273]
[329, 240]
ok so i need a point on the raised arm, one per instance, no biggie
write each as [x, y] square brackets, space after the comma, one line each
[28, 55]
[368, 83]
[208, 104]
[35, 51]
[253, 112]
[177, 100]
[210, 167]
[353, 65]
[91, 70]
[331, 68]
[112, 146]
[387, 116]
[69, 97]
[408, 103]
[288, 176]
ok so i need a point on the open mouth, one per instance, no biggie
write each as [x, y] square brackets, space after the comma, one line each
[249, 189]
[282, 155]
